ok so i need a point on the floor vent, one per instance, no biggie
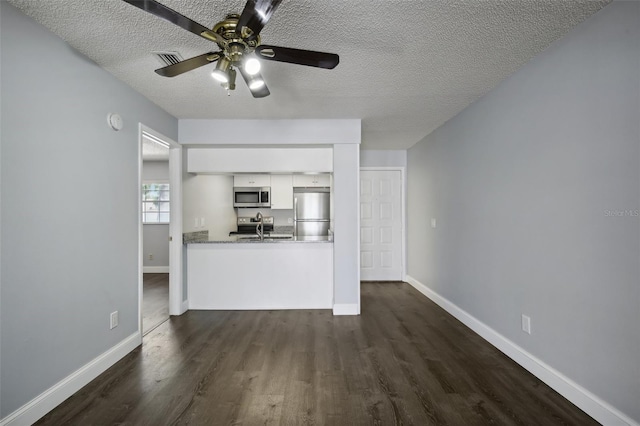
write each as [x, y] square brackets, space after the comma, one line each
[168, 58]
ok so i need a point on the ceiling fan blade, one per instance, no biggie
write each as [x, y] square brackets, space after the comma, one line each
[298, 56]
[260, 92]
[162, 11]
[188, 64]
[255, 16]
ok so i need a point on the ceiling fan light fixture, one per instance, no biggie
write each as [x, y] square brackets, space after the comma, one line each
[252, 66]
[220, 73]
[256, 83]
[220, 76]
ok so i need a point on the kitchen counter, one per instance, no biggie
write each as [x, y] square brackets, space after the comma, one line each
[244, 240]
[203, 238]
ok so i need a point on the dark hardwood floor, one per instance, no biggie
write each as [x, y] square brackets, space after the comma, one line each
[155, 301]
[403, 361]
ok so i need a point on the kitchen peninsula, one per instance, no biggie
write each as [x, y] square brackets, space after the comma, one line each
[237, 273]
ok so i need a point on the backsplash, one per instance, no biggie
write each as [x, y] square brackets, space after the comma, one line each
[189, 237]
[282, 229]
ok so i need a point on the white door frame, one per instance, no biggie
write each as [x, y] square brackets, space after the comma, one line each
[403, 207]
[176, 305]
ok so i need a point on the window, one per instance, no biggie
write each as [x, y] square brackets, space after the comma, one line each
[155, 203]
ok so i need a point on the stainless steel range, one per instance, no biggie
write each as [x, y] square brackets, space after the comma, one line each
[247, 225]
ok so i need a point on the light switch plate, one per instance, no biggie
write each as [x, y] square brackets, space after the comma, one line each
[113, 320]
[526, 324]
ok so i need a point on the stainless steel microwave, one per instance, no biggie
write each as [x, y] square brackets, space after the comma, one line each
[252, 196]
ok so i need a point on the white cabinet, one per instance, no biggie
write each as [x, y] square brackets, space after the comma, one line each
[312, 180]
[282, 192]
[251, 180]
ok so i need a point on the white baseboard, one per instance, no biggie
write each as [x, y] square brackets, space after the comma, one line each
[579, 396]
[346, 309]
[33, 410]
[155, 269]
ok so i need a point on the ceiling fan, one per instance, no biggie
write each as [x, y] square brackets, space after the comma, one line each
[238, 38]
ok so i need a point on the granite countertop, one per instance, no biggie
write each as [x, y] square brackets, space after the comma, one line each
[202, 237]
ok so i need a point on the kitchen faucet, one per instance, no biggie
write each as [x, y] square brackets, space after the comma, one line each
[260, 226]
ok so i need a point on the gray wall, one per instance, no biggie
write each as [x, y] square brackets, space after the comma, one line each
[155, 236]
[524, 185]
[155, 171]
[155, 239]
[69, 197]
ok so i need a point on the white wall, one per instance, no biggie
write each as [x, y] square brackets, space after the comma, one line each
[260, 160]
[346, 228]
[155, 236]
[522, 184]
[209, 197]
[269, 132]
[69, 199]
[383, 158]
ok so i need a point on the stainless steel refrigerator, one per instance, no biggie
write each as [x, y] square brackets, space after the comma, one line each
[311, 212]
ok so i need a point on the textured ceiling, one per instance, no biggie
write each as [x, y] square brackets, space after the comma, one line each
[406, 66]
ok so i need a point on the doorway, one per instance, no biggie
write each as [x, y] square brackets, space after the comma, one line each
[160, 287]
[381, 224]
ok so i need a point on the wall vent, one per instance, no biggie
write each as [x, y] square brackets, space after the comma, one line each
[168, 58]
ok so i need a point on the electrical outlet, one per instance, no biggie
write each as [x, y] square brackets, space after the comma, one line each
[202, 222]
[150, 256]
[526, 324]
[196, 222]
[433, 222]
[113, 320]
[289, 220]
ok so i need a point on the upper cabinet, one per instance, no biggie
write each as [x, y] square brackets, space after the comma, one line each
[252, 180]
[281, 192]
[320, 180]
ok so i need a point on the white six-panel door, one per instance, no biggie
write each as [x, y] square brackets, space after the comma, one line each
[381, 225]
